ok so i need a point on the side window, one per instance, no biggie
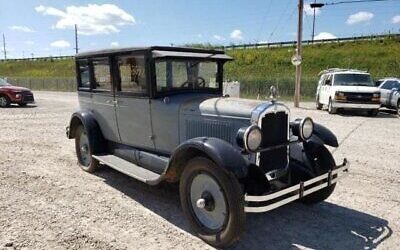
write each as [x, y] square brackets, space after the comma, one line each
[84, 76]
[132, 74]
[388, 85]
[328, 80]
[102, 77]
[397, 85]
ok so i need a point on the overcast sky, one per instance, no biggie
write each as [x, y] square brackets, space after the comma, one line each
[46, 27]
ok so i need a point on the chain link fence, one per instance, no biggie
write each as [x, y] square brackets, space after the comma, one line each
[248, 88]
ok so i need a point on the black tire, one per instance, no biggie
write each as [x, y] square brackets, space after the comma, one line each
[324, 162]
[234, 218]
[331, 109]
[373, 112]
[398, 108]
[318, 196]
[4, 101]
[318, 104]
[22, 104]
[87, 163]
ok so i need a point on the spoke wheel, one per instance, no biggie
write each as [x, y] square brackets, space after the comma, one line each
[4, 102]
[212, 201]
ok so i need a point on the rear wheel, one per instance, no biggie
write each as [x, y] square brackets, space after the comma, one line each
[4, 102]
[398, 108]
[331, 109]
[84, 151]
[213, 202]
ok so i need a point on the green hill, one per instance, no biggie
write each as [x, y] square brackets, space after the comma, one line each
[259, 68]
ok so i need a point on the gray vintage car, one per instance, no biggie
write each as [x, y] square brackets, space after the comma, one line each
[158, 114]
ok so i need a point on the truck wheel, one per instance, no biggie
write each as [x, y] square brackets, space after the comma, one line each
[373, 112]
[331, 109]
[4, 102]
[212, 201]
[318, 104]
[84, 151]
[398, 108]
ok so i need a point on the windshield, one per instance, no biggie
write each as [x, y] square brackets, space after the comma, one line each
[353, 80]
[177, 74]
[3, 82]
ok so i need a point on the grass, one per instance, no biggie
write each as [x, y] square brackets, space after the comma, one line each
[257, 69]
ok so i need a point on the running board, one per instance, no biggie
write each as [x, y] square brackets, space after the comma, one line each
[130, 169]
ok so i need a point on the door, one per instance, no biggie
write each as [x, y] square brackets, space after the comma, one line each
[385, 92]
[103, 102]
[132, 101]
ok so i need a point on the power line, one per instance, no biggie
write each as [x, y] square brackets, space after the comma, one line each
[355, 1]
[4, 47]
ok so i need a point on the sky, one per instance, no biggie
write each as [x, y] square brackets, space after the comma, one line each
[46, 27]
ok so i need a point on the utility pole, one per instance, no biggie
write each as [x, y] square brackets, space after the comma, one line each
[298, 55]
[4, 47]
[76, 39]
[313, 24]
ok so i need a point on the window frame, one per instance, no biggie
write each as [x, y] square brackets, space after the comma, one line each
[92, 67]
[219, 78]
[79, 77]
[118, 89]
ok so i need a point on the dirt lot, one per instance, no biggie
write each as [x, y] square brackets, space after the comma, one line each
[46, 202]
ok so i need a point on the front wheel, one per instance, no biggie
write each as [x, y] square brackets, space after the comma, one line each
[212, 201]
[331, 109]
[4, 102]
[373, 112]
[84, 151]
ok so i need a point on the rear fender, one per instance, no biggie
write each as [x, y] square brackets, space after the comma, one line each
[86, 119]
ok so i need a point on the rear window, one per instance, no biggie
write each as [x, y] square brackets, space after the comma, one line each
[84, 76]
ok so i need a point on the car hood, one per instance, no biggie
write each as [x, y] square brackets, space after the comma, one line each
[357, 89]
[14, 88]
[228, 106]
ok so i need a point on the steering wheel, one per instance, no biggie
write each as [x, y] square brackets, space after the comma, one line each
[200, 82]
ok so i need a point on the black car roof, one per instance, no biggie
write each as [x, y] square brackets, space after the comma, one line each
[182, 50]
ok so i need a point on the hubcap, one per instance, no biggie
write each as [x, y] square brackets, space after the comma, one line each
[84, 149]
[208, 201]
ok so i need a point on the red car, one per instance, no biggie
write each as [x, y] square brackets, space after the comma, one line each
[12, 94]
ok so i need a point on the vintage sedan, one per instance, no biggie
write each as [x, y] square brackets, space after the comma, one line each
[158, 114]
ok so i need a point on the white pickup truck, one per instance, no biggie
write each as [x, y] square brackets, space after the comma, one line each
[347, 89]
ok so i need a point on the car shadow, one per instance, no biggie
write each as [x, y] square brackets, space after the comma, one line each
[322, 226]
[381, 114]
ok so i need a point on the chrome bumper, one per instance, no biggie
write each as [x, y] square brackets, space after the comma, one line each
[348, 105]
[296, 192]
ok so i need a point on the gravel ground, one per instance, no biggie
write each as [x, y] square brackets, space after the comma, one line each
[46, 202]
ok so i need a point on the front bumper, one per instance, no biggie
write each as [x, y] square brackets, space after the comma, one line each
[295, 192]
[349, 105]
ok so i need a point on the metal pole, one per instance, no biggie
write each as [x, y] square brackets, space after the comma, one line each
[298, 55]
[313, 24]
[76, 39]
[4, 47]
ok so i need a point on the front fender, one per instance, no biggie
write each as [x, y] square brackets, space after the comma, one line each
[219, 151]
[323, 135]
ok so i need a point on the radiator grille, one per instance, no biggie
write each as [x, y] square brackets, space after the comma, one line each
[358, 97]
[210, 128]
[275, 132]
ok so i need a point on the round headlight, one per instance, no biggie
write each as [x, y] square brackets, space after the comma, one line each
[252, 138]
[306, 128]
